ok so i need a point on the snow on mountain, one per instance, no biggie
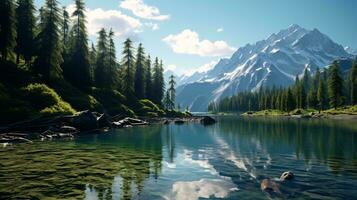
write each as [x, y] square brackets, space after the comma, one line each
[351, 51]
[272, 62]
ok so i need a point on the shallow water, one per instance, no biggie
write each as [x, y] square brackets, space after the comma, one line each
[227, 160]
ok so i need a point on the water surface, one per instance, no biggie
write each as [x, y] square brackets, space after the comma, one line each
[225, 161]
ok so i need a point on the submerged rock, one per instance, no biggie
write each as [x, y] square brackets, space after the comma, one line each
[207, 120]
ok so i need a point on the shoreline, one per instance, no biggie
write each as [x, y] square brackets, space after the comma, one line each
[343, 113]
[304, 114]
[85, 122]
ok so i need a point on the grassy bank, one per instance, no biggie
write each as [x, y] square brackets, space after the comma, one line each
[330, 113]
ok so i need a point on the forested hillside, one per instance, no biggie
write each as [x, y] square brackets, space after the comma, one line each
[330, 89]
[48, 66]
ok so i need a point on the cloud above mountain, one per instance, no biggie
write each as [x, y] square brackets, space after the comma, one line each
[189, 42]
[142, 10]
[123, 25]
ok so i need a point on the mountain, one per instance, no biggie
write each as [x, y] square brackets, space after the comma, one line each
[351, 51]
[275, 61]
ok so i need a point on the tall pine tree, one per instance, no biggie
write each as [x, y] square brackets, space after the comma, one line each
[335, 86]
[49, 58]
[353, 84]
[127, 63]
[7, 28]
[25, 40]
[79, 69]
[65, 27]
[139, 73]
[158, 82]
[172, 92]
[321, 95]
[148, 79]
[101, 65]
[112, 61]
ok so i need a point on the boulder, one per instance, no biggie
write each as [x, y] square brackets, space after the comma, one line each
[103, 120]
[207, 120]
[179, 122]
[270, 186]
[85, 120]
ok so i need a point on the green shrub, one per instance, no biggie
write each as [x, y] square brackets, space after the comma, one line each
[148, 108]
[113, 101]
[78, 99]
[46, 100]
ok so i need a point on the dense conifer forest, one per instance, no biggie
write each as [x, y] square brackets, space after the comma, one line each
[325, 89]
[48, 67]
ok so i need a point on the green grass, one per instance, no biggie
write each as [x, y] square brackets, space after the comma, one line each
[349, 110]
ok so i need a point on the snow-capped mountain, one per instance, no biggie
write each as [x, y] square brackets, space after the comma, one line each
[351, 51]
[272, 62]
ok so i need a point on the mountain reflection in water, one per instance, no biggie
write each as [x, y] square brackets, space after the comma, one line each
[226, 160]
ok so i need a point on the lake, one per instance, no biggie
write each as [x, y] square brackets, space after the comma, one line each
[227, 160]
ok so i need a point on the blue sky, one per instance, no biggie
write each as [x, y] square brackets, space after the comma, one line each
[193, 34]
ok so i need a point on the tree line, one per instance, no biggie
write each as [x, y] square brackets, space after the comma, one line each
[53, 45]
[323, 90]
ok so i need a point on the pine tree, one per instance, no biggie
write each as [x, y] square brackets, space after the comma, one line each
[65, 28]
[306, 80]
[335, 86]
[353, 84]
[312, 94]
[148, 79]
[167, 101]
[172, 92]
[139, 73]
[93, 60]
[25, 40]
[65, 42]
[49, 58]
[102, 60]
[289, 100]
[128, 62]
[158, 82]
[321, 95]
[7, 28]
[113, 77]
[79, 69]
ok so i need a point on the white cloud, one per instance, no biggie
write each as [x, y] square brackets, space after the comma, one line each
[219, 30]
[188, 42]
[153, 26]
[204, 188]
[142, 10]
[170, 67]
[123, 25]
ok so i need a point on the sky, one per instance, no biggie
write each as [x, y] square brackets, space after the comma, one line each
[192, 35]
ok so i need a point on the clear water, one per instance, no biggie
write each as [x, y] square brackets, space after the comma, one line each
[224, 161]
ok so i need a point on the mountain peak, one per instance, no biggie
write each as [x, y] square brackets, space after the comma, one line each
[274, 61]
[294, 27]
